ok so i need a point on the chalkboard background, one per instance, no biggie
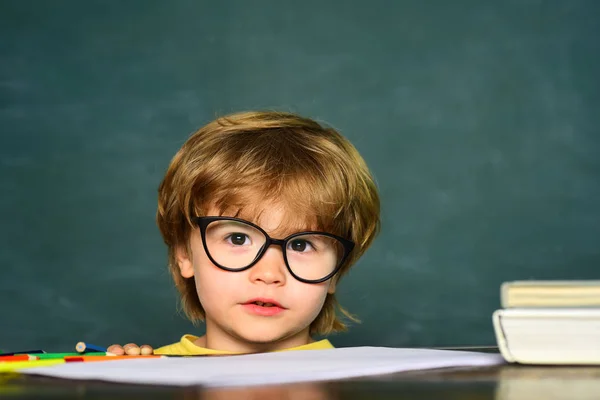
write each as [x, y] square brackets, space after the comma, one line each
[479, 120]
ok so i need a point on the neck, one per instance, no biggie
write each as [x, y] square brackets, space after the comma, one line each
[218, 340]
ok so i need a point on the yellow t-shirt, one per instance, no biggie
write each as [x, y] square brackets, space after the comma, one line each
[186, 347]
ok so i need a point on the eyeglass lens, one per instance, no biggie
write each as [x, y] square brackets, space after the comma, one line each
[235, 245]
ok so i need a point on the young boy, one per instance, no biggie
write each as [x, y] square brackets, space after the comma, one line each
[263, 213]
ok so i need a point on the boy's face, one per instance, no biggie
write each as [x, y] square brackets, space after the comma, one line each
[232, 322]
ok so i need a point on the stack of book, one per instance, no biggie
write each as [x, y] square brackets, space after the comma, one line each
[549, 322]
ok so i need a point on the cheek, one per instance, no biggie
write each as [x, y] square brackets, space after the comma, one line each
[309, 297]
[214, 286]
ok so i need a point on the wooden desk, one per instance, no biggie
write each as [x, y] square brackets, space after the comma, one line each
[500, 383]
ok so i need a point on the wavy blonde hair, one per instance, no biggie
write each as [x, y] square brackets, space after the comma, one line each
[240, 161]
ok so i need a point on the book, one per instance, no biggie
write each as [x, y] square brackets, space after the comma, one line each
[522, 383]
[538, 294]
[556, 336]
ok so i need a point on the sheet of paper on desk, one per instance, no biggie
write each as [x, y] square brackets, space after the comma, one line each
[268, 368]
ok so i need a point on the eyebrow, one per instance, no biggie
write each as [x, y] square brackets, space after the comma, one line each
[283, 231]
[252, 214]
[226, 222]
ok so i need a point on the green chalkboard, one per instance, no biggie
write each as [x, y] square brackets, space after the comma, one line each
[479, 120]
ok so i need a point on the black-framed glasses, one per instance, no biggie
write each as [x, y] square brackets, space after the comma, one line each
[234, 244]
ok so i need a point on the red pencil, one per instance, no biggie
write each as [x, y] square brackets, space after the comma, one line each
[107, 358]
[20, 357]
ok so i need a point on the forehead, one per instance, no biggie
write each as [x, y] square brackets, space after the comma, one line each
[276, 218]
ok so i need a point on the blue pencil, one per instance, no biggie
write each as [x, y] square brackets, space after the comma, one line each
[82, 347]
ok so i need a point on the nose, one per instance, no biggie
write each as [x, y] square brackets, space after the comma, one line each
[270, 269]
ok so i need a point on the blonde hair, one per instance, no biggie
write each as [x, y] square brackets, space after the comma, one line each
[241, 160]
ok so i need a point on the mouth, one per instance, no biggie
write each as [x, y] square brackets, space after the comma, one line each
[267, 303]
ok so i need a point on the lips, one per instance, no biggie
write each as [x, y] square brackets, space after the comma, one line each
[263, 307]
[264, 302]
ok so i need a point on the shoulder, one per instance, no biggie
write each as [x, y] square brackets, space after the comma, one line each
[178, 348]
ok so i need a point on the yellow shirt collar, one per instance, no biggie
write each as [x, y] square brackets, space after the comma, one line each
[186, 347]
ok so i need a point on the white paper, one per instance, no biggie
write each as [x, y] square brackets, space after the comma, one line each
[268, 368]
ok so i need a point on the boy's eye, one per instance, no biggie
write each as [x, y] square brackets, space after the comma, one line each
[299, 245]
[238, 239]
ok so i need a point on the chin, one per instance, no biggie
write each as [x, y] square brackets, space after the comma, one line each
[265, 337]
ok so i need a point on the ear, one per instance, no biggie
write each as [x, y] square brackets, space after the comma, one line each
[332, 284]
[186, 267]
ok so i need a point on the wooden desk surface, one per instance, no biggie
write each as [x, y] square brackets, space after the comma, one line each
[505, 382]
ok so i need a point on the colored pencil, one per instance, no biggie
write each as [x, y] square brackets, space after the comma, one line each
[14, 353]
[53, 356]
[113, 358]
[19, 357]
[14, 366]
[82, 347]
